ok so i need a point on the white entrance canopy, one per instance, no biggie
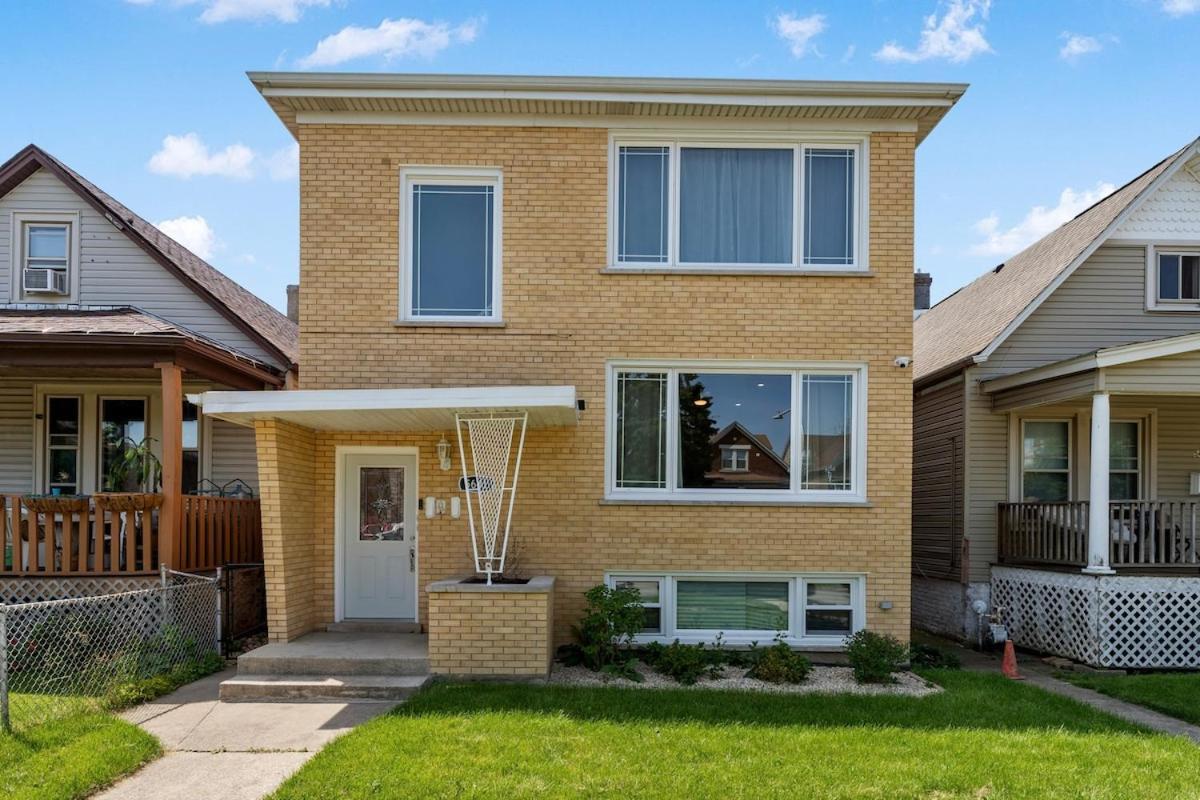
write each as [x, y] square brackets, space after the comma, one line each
[392, 409]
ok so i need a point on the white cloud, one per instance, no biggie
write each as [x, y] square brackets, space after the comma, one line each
[952, 37]
[392, 38]
[848, 55]
[798, 32]
[1039, 221]
[1181, 8]
[187, 155]
[284, 164]
[226, 10]
[1076, 45]
[194, 233]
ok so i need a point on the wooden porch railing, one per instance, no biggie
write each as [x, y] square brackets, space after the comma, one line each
[1143, 535]
[119, 534]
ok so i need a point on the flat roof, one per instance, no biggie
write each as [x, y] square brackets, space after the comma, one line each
[392, 409]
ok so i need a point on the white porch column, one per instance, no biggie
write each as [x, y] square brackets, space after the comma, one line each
[1098, 514]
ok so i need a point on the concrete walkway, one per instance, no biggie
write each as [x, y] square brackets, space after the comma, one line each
[231, 751]
[1040, 674]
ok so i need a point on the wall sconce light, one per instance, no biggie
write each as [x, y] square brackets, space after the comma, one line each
[443, 454]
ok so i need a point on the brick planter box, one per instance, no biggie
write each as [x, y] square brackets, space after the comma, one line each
[498, 631]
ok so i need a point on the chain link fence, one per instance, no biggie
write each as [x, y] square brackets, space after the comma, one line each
[64, 656]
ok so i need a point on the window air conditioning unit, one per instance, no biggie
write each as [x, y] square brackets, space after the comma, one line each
[45, 281]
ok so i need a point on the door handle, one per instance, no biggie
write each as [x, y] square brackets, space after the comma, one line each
[412, 559]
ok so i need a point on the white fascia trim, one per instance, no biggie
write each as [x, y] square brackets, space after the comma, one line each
[1109, 357]
[498, 397]
[1136, 203]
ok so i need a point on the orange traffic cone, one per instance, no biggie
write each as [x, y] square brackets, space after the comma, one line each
[1009, 665]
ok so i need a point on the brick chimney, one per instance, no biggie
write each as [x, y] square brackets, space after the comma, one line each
[922, 282]
[293, 302]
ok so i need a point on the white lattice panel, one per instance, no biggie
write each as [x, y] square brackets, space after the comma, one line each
[35, 590]
[1121, 622]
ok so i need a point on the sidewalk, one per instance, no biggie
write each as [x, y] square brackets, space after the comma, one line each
[231, 751]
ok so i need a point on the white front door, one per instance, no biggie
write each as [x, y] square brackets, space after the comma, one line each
[379, 536]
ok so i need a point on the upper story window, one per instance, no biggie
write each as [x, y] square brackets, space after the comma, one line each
[699, 432]
[452, 245]
[46, 258]
[1179, 277]
[756, 205]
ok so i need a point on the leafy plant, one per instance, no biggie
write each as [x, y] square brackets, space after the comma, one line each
[610, 621]
[875, 656]
[135, 467]
[686, 663]
[779, 663]
[132, 692]
[926, 655]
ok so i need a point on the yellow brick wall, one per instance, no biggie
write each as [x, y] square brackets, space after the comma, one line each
[287, 470]
[505, 634]
[564, 317]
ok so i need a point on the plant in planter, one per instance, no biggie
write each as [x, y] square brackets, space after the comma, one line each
[875, 656]
[610, 621]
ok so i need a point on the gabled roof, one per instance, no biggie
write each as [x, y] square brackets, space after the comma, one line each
[763, 442]
[971, 323]
[258, 319]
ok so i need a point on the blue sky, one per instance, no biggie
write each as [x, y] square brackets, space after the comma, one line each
[1066, 99]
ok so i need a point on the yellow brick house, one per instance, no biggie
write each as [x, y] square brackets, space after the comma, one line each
[531, 310]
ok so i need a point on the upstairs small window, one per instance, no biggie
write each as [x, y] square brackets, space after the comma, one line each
[1179, 278]
[452, 253]
[47, 262]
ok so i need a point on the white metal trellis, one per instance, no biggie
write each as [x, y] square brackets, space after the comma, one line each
[485, 482]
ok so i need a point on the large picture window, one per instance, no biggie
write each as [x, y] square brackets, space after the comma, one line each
[696, 607]
[770, 205]
[697, 433]
[452, 250]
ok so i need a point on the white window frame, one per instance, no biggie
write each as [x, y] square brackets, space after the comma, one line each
[613, 580]
[1140, 472]
[450, 176]
[1154, 300]
[20, 220]
[857, 494]
[795, 635]
[738, 452]
[48, 448]
[799, 144]
[1070, 423]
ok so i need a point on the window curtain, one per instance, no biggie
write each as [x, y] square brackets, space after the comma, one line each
[735, 206]
[829, 207]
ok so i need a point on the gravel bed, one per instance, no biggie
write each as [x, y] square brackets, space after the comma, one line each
[827, 680]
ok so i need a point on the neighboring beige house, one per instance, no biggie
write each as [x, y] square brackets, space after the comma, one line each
[1057, 435]
[102, 316]
[633, 266]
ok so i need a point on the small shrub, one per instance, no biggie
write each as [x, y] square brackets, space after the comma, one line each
[926, 655]
[132, 692]
[686, 663]
[875, 656]
[779, 663]
[610, 621]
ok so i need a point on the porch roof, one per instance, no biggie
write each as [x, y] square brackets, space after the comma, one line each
[392, 409]
[1159, 366]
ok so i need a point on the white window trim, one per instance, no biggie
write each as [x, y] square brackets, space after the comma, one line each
[450, 176]
[799, 143]
[857, 494]
[74, 255]
[736, 450]
[1153, 301]
[613, 580]
[795, 635]
[45, 482]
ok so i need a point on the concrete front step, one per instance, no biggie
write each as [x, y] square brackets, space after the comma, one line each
[320, 688]
[338, 653]
[373, 626]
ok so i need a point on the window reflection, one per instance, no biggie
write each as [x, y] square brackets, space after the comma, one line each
[734, 431]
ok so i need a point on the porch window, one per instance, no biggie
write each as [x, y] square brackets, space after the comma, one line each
[62, 445]
[452, 262]
[679, 433]
[737, 204]
[1124, 461]
[1046, 460]
[122, 434]
[1179, 277]
[191, 448]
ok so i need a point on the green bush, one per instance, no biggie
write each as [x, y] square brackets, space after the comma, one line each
[130, 693]
[779, 663]
[610, 621]
[686, 663]
[875, 656]
[926, 655]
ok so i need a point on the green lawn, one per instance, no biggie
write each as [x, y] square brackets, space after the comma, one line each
[71, 757]
[1173, 693]
[984, 737]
